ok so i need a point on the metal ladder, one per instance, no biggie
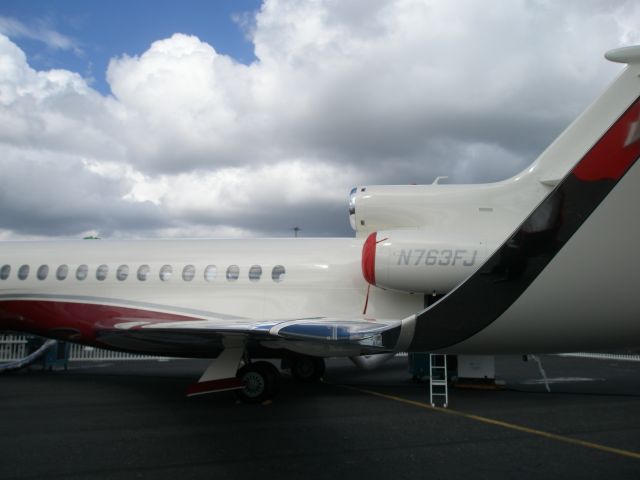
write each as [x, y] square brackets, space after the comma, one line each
[438, 379]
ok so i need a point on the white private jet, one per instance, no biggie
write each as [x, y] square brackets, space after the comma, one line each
[542, 262]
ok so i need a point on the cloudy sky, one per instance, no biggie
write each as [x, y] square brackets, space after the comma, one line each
[247, 118]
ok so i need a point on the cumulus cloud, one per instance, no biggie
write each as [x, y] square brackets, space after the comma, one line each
[47, 194]
[191, 142]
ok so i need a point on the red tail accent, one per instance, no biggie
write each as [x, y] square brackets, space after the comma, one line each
[369, 259]
[616, 151]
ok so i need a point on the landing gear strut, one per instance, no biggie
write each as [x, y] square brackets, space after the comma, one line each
[262, 382]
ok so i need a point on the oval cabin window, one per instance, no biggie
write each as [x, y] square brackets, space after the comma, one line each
[255, 272]
[188, 272]
[165, 272]
[81, 272]
[143, 273]
[278, 273]
[122, 273]
[210, 273]
[62, 272]
[101, 272]
[233, 272]
[43, 271]
[23, 272]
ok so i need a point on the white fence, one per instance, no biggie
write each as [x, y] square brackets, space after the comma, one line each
[604, 356]
[14, 347]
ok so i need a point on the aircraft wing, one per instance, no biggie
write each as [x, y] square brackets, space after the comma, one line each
[196, 338]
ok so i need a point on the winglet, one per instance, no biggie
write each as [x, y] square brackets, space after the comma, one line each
[624, 54]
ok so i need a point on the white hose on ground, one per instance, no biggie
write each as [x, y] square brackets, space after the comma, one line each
[29, 359]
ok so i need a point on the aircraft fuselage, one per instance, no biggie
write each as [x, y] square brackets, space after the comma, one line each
[233, 280]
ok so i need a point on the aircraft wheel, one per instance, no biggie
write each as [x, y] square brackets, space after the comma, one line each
[262, 381]
[307, 369]
[274, 376]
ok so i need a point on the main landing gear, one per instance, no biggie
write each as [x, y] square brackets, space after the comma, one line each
[262, 382]
[254, 382]
[262, 379]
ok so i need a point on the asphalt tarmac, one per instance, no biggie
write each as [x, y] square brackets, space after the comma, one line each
[124, 420]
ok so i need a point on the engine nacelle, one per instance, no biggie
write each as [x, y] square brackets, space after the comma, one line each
[414, 261]
[391, 207]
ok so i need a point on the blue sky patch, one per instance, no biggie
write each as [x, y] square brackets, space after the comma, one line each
[83, 36]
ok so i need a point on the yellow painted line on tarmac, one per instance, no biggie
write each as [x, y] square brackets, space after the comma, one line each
[500, 423]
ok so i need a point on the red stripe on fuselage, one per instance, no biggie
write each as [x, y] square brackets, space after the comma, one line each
[42, 317]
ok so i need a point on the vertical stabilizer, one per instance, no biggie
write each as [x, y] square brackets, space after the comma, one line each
[567, 276]
[558, 159]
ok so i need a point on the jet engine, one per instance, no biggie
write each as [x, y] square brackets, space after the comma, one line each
[414, 261]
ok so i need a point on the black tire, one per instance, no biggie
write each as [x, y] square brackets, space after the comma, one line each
[273, 374]
[307, 369]
[261, 382]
